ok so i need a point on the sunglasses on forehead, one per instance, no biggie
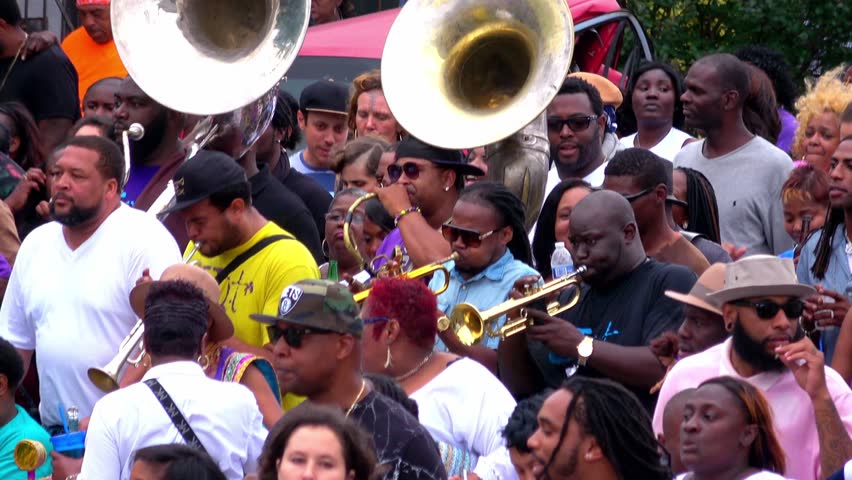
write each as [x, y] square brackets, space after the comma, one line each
[471, 238]
[767, 309]
[577, 123]
[293, 336]
[410, 169]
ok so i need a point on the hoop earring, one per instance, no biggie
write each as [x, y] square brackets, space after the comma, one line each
[389, 359]
[204, 361]
[324, 248]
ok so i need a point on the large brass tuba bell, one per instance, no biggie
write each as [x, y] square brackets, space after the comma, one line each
[470, 73]
[470, 324]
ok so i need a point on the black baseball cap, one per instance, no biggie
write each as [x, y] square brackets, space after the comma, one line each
[411, 147]
[201, 176]
[325, 96]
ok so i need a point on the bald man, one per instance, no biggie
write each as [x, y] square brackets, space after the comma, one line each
[622, 307]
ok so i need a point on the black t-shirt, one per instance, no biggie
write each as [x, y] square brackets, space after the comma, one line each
[283, 207]
[46, 83]
[402, 444]
[312, 193]
[631, 313]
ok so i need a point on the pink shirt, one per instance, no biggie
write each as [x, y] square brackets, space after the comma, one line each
[792, 412]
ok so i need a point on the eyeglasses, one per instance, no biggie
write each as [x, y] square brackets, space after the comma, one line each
[636, 196]
[577, 123]
[292, 336]
[767, 309]
[337, 217]
[369, 320]
[410, 169]
[471, 238]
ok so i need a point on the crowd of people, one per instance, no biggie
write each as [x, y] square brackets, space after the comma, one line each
[267, 324]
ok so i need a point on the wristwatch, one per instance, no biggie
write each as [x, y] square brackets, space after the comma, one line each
[584, 350]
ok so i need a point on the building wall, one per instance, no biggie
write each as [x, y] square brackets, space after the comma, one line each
[41, 14]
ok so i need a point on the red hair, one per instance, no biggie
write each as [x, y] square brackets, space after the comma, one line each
[411, 303]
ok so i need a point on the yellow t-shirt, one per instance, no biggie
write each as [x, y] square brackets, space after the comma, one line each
[256, 285]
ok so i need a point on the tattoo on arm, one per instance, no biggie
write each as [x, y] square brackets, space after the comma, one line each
[835, 446]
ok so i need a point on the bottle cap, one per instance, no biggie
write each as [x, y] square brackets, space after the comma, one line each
[560, 244]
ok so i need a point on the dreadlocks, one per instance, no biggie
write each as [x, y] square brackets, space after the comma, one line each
[822, 252]
[701, 205]
[510, 213]
[619, 423]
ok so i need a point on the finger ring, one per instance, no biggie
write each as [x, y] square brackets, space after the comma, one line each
[832, 314]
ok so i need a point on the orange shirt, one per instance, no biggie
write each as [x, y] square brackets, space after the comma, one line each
[93, 61]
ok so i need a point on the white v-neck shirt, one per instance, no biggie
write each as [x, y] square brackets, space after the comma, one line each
[72, 306]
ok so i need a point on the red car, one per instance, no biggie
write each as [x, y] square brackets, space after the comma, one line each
[608, 41]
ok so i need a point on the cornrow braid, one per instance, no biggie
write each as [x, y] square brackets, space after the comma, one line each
[619, 423]
[510, 213]
[822, 252]
[701, 205]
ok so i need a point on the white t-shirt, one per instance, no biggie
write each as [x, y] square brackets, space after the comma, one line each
[72, 306]
[466, 406]
[756, 476]
[667, 148]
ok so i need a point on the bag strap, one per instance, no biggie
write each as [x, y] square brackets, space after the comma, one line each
[174, 414]
[241, 258]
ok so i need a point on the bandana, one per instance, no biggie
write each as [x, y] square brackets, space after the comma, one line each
[83, 3]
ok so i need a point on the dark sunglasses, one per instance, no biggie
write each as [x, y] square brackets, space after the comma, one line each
[636, 196]
[767, 309]
[575, 123]
[471, 238]
[410, 169]
[292, 336]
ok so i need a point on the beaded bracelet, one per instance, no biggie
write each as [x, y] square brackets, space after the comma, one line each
[404, 213]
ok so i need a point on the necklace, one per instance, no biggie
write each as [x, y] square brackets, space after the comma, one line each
[357, 397]
[414, 370]
[14, 60]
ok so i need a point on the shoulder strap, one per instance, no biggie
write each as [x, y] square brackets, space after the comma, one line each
[174, 414]
[241, 258]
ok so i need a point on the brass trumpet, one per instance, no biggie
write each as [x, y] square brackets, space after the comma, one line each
[470, 324]
[106, 378]
[348, 238]
[423, 271]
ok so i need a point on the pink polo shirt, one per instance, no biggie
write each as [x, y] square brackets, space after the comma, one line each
[792, 412]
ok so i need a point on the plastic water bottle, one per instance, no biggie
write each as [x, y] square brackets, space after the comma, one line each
[561, 263]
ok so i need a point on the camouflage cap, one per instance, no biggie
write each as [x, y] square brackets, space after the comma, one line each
[318, 304]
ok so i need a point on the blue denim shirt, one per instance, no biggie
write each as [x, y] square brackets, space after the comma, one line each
[484, 290]
[837, 278]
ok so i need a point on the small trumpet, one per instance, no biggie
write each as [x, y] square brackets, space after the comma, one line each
[423, 271]
[106, 378]
[470, 324]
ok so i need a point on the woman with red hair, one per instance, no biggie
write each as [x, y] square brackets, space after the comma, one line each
[460, 402]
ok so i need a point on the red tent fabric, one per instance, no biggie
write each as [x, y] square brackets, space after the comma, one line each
[364, 36]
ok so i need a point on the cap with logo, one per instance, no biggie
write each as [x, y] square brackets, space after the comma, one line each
[201, 176]
[325, 96]
[319, 304]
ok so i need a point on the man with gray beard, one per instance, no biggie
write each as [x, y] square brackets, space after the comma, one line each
[68, 294]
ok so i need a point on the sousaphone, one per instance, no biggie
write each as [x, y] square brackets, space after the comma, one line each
[469, 73]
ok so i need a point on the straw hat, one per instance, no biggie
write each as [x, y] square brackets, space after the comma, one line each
[221, 327]
[761, 276]
[712, 280]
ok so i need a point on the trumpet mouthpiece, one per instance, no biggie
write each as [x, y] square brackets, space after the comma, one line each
[135, 132]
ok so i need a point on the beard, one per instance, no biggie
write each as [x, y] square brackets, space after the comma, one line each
[76, 215]
[754, 352]
[586, 155]
[154, 133]
[562, 466]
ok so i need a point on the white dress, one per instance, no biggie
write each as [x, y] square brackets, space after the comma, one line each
[667, 147]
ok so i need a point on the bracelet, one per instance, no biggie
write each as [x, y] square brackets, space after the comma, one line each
[404, 213]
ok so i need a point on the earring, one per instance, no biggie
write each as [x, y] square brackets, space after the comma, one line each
[204, 361]
[685, 225]
[446, 189]
[389, 359]
[324, 248]
[588, 455]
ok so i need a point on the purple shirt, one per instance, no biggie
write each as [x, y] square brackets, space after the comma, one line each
[792, 410]
[5, 269]
[139, 177]
[788, 130]
[393, 240]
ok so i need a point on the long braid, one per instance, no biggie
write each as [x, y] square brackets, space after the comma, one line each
[822, 252]
[701, 204]
[510, 213]
[619, 423]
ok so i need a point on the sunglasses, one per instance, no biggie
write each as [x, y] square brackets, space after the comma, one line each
[410, 169]
[471, 238]
[576, 123]
[636, 196]
[369, 320]
[292, 336]
[767, 309]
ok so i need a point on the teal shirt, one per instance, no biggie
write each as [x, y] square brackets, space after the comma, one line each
[22, 427]
[484, 290]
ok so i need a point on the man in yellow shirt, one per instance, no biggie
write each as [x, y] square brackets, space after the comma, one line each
[91, 47]
[252, 258]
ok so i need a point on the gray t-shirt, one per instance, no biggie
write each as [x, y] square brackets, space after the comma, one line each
[748, 184]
